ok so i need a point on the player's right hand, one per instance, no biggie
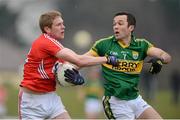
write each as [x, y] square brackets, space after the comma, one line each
[73, 76]
[112, 60]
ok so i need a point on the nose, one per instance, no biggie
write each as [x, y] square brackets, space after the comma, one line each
[63, 26]
[115, 27]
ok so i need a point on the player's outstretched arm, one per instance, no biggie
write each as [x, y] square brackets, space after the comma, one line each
[84, 60]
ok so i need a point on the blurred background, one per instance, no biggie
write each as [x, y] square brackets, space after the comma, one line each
[87, 21]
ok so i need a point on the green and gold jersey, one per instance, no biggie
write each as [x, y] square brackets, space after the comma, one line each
[122, 81]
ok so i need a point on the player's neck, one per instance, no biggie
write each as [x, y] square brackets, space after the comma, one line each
[125, 41]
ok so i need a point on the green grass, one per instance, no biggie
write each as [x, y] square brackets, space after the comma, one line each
[71, 102]
[162, 103]
[12, 101]
[165, 107]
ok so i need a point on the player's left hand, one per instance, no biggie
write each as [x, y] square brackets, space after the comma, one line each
[73, 76]
[156, 65]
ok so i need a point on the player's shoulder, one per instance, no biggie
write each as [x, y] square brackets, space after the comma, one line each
[51, 41]
[106, 39]
[40, 39]
[47, 37]
[141, 40]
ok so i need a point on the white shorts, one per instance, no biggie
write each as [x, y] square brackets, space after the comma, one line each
[123, 109]
[45, 106]
[93, 105]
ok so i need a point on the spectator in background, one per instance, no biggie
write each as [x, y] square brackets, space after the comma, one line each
[175, 86]
[91, 94]
[3, 98]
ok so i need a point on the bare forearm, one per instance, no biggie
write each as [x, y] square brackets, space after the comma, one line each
[159, 53]
[90, 61]
[80, 60]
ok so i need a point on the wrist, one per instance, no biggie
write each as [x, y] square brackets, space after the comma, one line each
[107, 60]
[163, 60]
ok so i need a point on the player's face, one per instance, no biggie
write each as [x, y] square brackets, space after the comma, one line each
[57, 29]
[120, 27]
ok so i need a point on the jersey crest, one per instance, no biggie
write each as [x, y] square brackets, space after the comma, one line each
[135, 55]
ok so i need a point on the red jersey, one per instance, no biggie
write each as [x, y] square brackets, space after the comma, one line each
[40, 64]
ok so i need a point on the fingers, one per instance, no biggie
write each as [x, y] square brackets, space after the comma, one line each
[155, 68]
[76, 71]
[112, 60]
[73, 77]
[68, 80]
[156, 65]
[80, 80]
[69, 74]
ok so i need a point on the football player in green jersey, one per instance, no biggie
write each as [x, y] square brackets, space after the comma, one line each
[121, 98]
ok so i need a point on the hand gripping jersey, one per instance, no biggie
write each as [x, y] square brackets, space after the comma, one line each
[122, 81]
[40, 64]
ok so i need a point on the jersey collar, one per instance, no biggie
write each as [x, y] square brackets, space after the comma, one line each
[131, 43]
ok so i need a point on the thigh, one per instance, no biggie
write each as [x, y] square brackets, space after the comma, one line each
[44, 106]
[150, 113]
[139, 105]
[29, 108]
[57, 108]
[117, 109]
[64, 115]
[144, 111]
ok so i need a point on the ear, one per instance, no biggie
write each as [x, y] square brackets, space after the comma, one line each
[47, 29]
[131, 27]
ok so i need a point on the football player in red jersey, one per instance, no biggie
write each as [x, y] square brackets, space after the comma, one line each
[37, 97]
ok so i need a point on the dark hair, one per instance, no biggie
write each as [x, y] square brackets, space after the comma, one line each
[130, 18]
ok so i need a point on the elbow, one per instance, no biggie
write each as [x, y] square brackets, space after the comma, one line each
[167, 59]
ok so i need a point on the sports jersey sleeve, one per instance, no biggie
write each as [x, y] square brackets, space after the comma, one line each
[101, 46]
[95, 48]
[146, 46]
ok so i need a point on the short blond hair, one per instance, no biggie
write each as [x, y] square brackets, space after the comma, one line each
[46, 19]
